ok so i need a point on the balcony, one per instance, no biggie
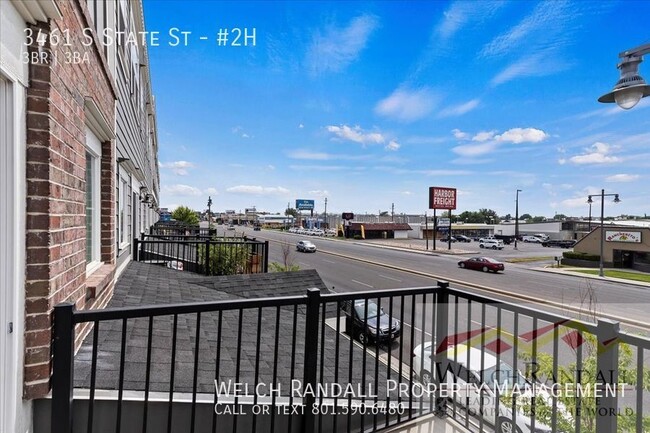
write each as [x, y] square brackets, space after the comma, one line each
[245, 365]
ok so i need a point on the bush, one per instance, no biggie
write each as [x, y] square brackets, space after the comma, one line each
[227, 259]
[357, 237]
[581, 256]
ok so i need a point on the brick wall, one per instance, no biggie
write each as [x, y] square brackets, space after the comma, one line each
[56, 164]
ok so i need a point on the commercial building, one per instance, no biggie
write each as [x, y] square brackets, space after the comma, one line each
[623, 247]
[77, 164]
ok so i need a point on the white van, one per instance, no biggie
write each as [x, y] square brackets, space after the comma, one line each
[495, 244]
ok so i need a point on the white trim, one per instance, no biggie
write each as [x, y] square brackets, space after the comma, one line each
[96, 121]
[13, 416]
[94, 148]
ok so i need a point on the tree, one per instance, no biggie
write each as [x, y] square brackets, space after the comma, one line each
[186, 215]
[287, 264]
[384, 213]
[525, 216]
[291, 212]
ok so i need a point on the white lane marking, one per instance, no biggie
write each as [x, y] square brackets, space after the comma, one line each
[363, 284]
[329, 261]
[389, 278]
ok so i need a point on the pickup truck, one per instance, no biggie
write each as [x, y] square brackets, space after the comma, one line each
[568, 243]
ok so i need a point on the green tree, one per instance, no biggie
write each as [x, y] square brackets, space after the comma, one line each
[186, 215]
[525, 216]
[291, 212]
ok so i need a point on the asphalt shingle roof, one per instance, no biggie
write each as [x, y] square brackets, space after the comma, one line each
[220, 335]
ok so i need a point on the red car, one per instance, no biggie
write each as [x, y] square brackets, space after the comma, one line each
[484, 264]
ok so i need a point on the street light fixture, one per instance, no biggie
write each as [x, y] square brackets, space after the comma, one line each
[590, 201]
[517, 217]
[602, 220]
[631, 87]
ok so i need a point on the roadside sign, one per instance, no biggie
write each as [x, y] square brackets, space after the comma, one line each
[444, 222]
[302, 204]
[442, 198]
[347, 216]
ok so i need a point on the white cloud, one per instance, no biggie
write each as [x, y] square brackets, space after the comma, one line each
[270, 167]
[622, 178]
[575, 202]
[257, 190]
[484, 136]
[561, 161]
[471, 150]
[523, 135]
[336, 48]
[177, 167]
[408, 105]
[461, 13]
[300, 126]
[212, 191]
[539, 64]
[318, 193]
[392, 145]
[356, 134]
[407, 193]
[460, 109]
[598, 153]
[182, 190]
[318, 167]
[460, 135]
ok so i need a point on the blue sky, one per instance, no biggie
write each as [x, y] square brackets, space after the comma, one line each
[371, 103]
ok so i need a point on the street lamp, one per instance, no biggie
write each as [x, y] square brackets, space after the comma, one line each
[602, 219]
[631, 87]
[209, 213]
[590, 201]
[517, 217]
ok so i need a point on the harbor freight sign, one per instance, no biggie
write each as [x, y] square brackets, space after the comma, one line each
[442, 198]
[302, 204]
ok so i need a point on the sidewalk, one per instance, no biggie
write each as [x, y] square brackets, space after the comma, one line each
[572, 272]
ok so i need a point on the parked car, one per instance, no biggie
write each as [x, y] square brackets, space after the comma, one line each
[474, 375]
[495, 244]
[231, 227]
[446, 239]
[306, 247]
[568, 243]
[532, 239]
[463, 238]
[257, 228]
[484, 264]
[376, 326]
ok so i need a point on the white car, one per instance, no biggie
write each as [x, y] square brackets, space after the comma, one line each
[495, 244]
[471, 391]
[532, 239]
[305, 247]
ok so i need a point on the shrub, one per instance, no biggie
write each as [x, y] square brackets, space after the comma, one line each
[227, 259]
[581, 256]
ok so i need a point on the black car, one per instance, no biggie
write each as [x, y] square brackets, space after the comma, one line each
[376, 326]
[463, 238]
[446, 239]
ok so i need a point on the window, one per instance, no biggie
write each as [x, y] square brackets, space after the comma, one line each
[93, 211]
[123, 212]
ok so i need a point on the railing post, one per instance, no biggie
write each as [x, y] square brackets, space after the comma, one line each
[63, 368]
[266, 257]
[311, 357]
[607, 333]
[440, 343]
[207, 257]
[135, 249]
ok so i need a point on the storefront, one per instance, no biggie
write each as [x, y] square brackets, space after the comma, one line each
[623, 247]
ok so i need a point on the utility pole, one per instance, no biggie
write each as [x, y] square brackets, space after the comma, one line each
[326, 225]
[392, 212]
[517, 217]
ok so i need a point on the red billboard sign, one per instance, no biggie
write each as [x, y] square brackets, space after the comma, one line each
[442, 198]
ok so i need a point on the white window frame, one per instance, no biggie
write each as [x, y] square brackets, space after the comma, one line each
[97, 131]
[94, 149]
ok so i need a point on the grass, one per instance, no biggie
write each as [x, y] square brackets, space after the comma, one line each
[529, 259]
[635, 276]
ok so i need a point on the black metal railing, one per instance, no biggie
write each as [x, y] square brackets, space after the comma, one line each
[372, 374]
[206, 256]
[172, 228]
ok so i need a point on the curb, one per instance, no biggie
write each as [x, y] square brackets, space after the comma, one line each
[594, 277]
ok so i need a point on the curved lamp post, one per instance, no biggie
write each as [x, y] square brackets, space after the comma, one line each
[631, 87]
[602, 219]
